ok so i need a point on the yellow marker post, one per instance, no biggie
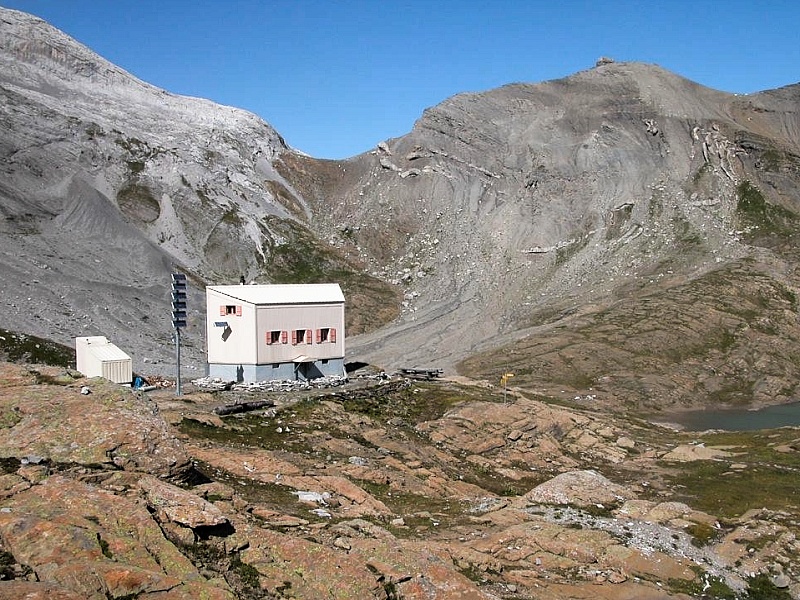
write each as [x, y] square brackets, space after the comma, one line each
[504, 382]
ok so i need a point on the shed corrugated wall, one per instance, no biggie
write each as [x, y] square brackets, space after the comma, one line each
[97, 357]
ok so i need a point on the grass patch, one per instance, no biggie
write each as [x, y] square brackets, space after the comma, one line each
[769, 479]
[8, 419]
[702, 534]
[22, 348]
[659, 348]
[414, 404]
[232, 218]
[420, 513]
[302, 258]
[766, 219]
[760, 587]
[248, 575]
[254, 430]
[104, 547]
[771, 159]
[687, 238]
[498, 484]
[703, 586]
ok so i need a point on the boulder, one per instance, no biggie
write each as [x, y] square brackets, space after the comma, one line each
[692, 452]
[173, 504]
[578, 488]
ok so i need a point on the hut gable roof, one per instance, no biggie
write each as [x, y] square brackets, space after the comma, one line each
[308, 293]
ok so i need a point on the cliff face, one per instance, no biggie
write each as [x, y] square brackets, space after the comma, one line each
[644, 221]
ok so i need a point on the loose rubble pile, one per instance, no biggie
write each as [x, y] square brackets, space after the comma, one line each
[273, 385]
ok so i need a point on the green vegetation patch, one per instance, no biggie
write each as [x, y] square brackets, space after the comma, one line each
[247, 575]
[768, 478]
[139, 151]
[232, 217]
[252, 430]
[771, 159]
[414, 404]
[702, 534]
[703, 586]
[9, 417]
[104, 547]
[669, 346]
[271, 495]
[22, 348]
[774, 160]
[302, 258]
[211, 556]
[418, 511]
[766, 219]
[760, 587]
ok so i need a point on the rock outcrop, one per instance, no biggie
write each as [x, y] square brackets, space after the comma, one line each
[578, 488]
[78, 538]
[429, 491]
[57, 427]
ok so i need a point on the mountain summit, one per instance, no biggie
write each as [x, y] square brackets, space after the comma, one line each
[622, 232]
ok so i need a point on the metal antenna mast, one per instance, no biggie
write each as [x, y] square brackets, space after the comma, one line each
[178, 321]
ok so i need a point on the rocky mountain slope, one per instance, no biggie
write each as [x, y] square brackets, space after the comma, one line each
[108, 184]
[623, 232]
[659, 211]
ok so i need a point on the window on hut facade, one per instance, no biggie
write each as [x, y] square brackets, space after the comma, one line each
[326, 334]
[301, 336]
[276, 337]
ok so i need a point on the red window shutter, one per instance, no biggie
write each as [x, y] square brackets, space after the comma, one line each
[268, 337]
[294, 337]
[308, 339]
[319, 336]
[332, 335]
[239, 311]
[284, 337]
[222, 311]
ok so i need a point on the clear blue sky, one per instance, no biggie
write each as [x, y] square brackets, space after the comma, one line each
[335, 77]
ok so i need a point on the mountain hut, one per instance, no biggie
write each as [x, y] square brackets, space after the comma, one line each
[275, 332]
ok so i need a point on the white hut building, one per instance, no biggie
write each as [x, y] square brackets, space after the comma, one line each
[265, 332]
